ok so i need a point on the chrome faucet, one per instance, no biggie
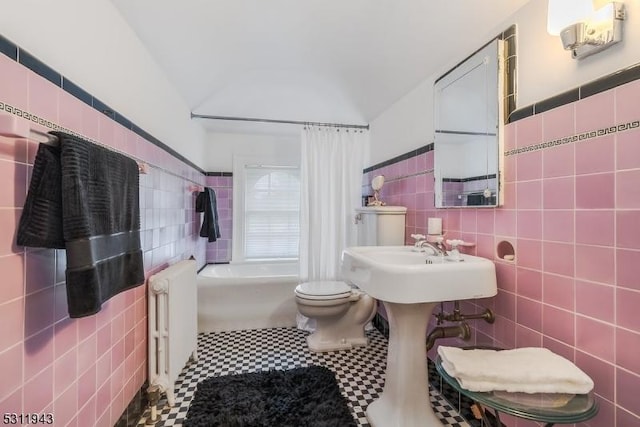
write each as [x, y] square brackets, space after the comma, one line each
[438, 247]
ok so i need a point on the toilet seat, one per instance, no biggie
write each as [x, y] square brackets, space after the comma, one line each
[323, 290]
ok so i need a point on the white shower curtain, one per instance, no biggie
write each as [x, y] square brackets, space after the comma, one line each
[330, 186]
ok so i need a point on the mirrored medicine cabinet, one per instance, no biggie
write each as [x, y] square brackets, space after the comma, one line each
[472, 103]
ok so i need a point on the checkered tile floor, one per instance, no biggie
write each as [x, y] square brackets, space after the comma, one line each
[360, 372]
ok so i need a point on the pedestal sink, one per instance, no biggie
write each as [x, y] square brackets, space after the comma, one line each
[410, 284]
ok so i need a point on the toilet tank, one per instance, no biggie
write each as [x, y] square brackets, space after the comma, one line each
[381, 225]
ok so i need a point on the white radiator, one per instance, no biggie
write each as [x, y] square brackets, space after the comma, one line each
[173, 325]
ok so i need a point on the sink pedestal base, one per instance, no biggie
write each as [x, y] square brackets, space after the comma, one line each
[405, 399]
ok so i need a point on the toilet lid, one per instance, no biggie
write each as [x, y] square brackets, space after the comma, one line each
[323, 290]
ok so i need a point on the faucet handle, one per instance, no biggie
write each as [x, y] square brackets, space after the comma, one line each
[419, 238]
[454, 243]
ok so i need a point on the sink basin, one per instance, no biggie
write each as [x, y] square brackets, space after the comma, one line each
[410, 284]
[399, 274]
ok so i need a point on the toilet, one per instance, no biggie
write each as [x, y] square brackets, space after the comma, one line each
[341, 310]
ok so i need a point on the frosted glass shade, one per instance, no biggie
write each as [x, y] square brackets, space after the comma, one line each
[562, 13]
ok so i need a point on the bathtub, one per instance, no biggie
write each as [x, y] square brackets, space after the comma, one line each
[241, 296]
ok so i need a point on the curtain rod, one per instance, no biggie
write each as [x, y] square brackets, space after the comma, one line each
[291, 122]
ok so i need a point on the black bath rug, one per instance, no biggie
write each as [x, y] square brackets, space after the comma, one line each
[298, 397]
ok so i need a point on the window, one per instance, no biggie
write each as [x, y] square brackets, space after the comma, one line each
[271, 213]
[266, 211]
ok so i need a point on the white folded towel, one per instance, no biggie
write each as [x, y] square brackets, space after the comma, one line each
[528, 370]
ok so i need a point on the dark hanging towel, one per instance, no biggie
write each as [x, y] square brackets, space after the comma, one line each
[206, 202]
[85, 198]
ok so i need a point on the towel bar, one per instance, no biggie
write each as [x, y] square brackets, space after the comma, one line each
[143, 167]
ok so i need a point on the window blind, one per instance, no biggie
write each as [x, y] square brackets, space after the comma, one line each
[272, 212]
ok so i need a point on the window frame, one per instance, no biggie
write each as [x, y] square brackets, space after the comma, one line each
[239, 182]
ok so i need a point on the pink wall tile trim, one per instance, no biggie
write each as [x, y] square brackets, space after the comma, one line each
[628, 189]
[39, 391]
[13, 195]
[627, 262]
[627, 389]
[529, 224]
[526, 337]
[558, 193]
[529, 254]
[54, 359]
[43, 97]
[505, 304]
[13, 377]
[12, 268]
[558, 161]
[529, 283]
[627, 230]
[40, 306]
[558, 291]
[627, 344]
[70, 111]
[532, 192]
[595, 263]
[595, 112]
[529, 313]
[65, 405]
[529, 131]
[505, 224]
[485, 219]
[625, 418]
[40, 270]
[65, 370]
[558, 123]
[14, 84]
[628, 149]
[558, 324]
[606, 416]
[505, 332]
[509, 136]
[38, 353]
[626, 102]
[602, 373]
[510, 169]
[627, 303]
[595, 227]
[506, 276]
[529, 165]
[9, 218]
[595, 300]
[558, 258]
[595, 155]
[558, 225]
[595, 191]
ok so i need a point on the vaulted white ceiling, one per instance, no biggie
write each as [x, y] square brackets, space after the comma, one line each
[315, 60]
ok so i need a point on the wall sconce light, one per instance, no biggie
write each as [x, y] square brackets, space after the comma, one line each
[583, 30]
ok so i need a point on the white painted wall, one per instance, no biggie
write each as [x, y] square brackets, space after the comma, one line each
[220, 148]
[88, 42]
[544, 69]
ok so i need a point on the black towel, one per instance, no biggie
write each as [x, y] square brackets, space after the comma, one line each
[85, 198]
[206, 202]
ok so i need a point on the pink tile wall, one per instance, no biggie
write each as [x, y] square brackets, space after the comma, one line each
[220, 250]
[572, 213]
[85, 371]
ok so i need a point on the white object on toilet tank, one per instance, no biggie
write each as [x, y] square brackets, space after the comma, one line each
[381, 225]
